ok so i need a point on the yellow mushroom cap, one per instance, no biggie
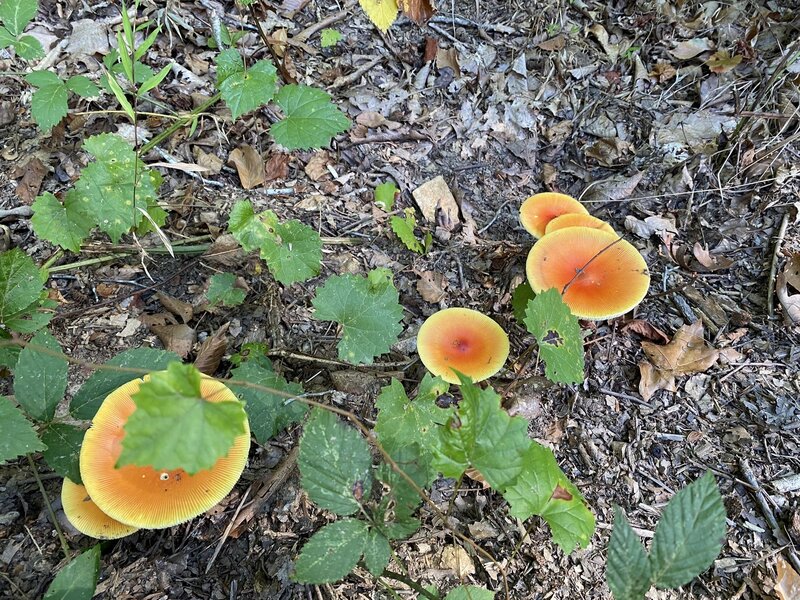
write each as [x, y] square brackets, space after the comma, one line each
[604, 275]
[538, 210]
[141, 496]
[464, 340]
[577, 220]
[86, 517]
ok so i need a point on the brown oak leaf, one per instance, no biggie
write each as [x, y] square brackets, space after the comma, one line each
[419, 11]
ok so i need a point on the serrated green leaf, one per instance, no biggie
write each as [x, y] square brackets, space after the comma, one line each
[335, 463]
[16, 14]
[21, 285]
[403, 228]
[377, 552]
[101, 383]
[332, 552]
[627, 569]
[170, 402]
[40, 379]
[229, 62]
[49, 105]
[469, 592]
[17, 435]
[370, 316]
[329, 37]
[43, 78]
[77, 581]
[268, 413]
[246, 90]
[558, 336]
[400, 500]
[66, 225]
[83, 86]
[32, 320]
[689, 535]
[522, 294]
[28, 47]
[6, 38]
[310, 118]
[543, 489]
[221, 290]
[483, 436]
[384, 195]
[63, 443]
[246, 229]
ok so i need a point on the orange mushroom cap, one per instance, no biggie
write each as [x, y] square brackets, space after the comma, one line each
[538, 210]
[464, 340]
[577, 220]
[141, 496]
[84, 515]
[599, 275]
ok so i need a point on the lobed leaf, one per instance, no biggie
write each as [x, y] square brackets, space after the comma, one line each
[66, 225]
[222, 290]
[16, 14]
[17, 435]
[245, 90]
[403, 228]
[21, 286]
[310, 118]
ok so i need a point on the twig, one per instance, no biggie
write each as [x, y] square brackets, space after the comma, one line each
[356, 75]
[227, 531]
[773, 267]
[185, 120]
[319, 25]
[335, 363]
[633, 399]
[453, 20]
[409, 582]
[389, 136]
[17, 211]
[61, 538]
[171, 159]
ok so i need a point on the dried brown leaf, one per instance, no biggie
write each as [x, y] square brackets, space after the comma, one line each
[33, 175]
[723, 61]
[787, 587]
[211, 351]
[457, 560]
[686, 353]
[277, 167]
[431, 286]
[317, 166]
[225, 250]
[419, 11]
[651, 380]
[789, 276]
[176, 338]
[691, 48]
[646, 330]
[710, 261]
[249, 165]
[554, 44]
[177, 307]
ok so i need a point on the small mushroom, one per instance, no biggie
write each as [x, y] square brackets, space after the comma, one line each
[462, 339]
[142, 496]
[538, 210]
[577, 220]
[86, 517]
[599, 275]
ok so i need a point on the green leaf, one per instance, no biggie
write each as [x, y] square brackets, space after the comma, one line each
[49, 102]
[66, 225]
[21, 285]
[16, 14]
[245, 227]
[246, 90]
[523, 293]
[154, 80]
[370, 315]
[83, 86]
[40, 379]
[384, 195]
[329, 37]
[627, 569]
[403, 228]
[17, 435]
[689, 535]
[332, 552]
[469, 592]
[170, 402]
[335, 463]
[481, 435]
[28, 47]
[101, 383]
[43, 78]
[377, 552]
[229, 62]
[311, 119]
[543, 489]
[558, 336]
[268, 413]
[6, 38]
[77, 581]
[63, 443]
[400, 500]
[222, 290]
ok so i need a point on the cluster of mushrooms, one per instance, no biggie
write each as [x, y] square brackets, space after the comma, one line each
[115, 502]
[599, 276]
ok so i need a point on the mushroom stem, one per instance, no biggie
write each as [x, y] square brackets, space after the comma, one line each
[61, 538]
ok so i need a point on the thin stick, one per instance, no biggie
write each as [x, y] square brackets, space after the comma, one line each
[227, 531]
[409, 582]
[773, 267]
[61, 538]
[182, 122]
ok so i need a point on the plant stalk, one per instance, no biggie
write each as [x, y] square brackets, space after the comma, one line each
[61, 538]
[410, 583]
[182, 122]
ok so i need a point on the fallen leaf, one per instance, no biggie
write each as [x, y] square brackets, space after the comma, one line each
[211, 351]
[210, 161]
[691, 48]
[651, 380]
[448, 59]
[553, 44]
[33, 175]
[646, 330]
[249, 165]
[710, 261]
[317, 166]
[611, 50]
[722, 62]
[650, 225]
[788, 584]
[790, 276]
[176, 338]
[371, 119]
[614, 188]
[456, 559]
[418, 11]
[433, 195]
[475, 475]
[277, 167]
[431, 286]
[431, 48]
[225, 250]
[177, 307]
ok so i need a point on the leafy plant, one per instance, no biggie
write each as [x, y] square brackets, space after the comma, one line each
[688, 538]
[222, 290]
[244, 90]
[49, 101]
[403, 228]
[15, 16]
[77, 580]
[329, 37]
[385, 194]
[24, 306]
[310, 118]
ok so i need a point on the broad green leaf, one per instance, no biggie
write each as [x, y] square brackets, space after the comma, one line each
[377, 552]
[268, 413]
[40, 379]
[400, 500]
[66, 225]
[246, 90]
[522, 294]
[403, 228]
[245, 227]
[63, 443]
[83, 86]
[41, 78]
[222, 290]
[170, 402]
[335, 463]
[310, 118]
[689, 535]
[381, 12]
[49, 105]
[28, 47]
[469, 592]
[17, 435]
[332, 552]
[229, 62]
[34, 318]
[329, 37]
[369, 313]
[8, 355]
[627, 569]
[6, 37]
[102, 382]
[16, 14]
[558, 336]
[384, 195]
[543, 489]
[481, 435]
[21, 284]
[77, 581]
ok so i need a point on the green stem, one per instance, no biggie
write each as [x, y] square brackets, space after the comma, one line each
[182, 122]
[61, 538]
[57, 256]
[410, 583]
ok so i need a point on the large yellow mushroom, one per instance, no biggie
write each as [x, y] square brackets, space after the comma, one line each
[84, 515]
[538, 210]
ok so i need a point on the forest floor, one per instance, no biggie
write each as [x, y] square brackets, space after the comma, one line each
[676, 122]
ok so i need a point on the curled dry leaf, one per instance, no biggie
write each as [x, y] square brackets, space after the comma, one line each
[249, 165]
[211, 351]
[176, 338]
[456, 559]
[787, 587]
[177, 307]
[646, 330]
[431, 286]
[712, 262]
[419, 11]
[33, 175]
[788, 278]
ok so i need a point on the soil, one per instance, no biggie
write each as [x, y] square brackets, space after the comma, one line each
[604, 101]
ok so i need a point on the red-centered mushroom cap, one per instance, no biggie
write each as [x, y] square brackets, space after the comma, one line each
[141, 496]
[538, 210]
[577, 220]
[84, 515]
[464, 340]
[604, 275]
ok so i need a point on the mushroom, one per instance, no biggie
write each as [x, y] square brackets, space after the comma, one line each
[142, 496]
[464, 340]
[577, 220]
[538, 210]
[599, 275]
[86, 517]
